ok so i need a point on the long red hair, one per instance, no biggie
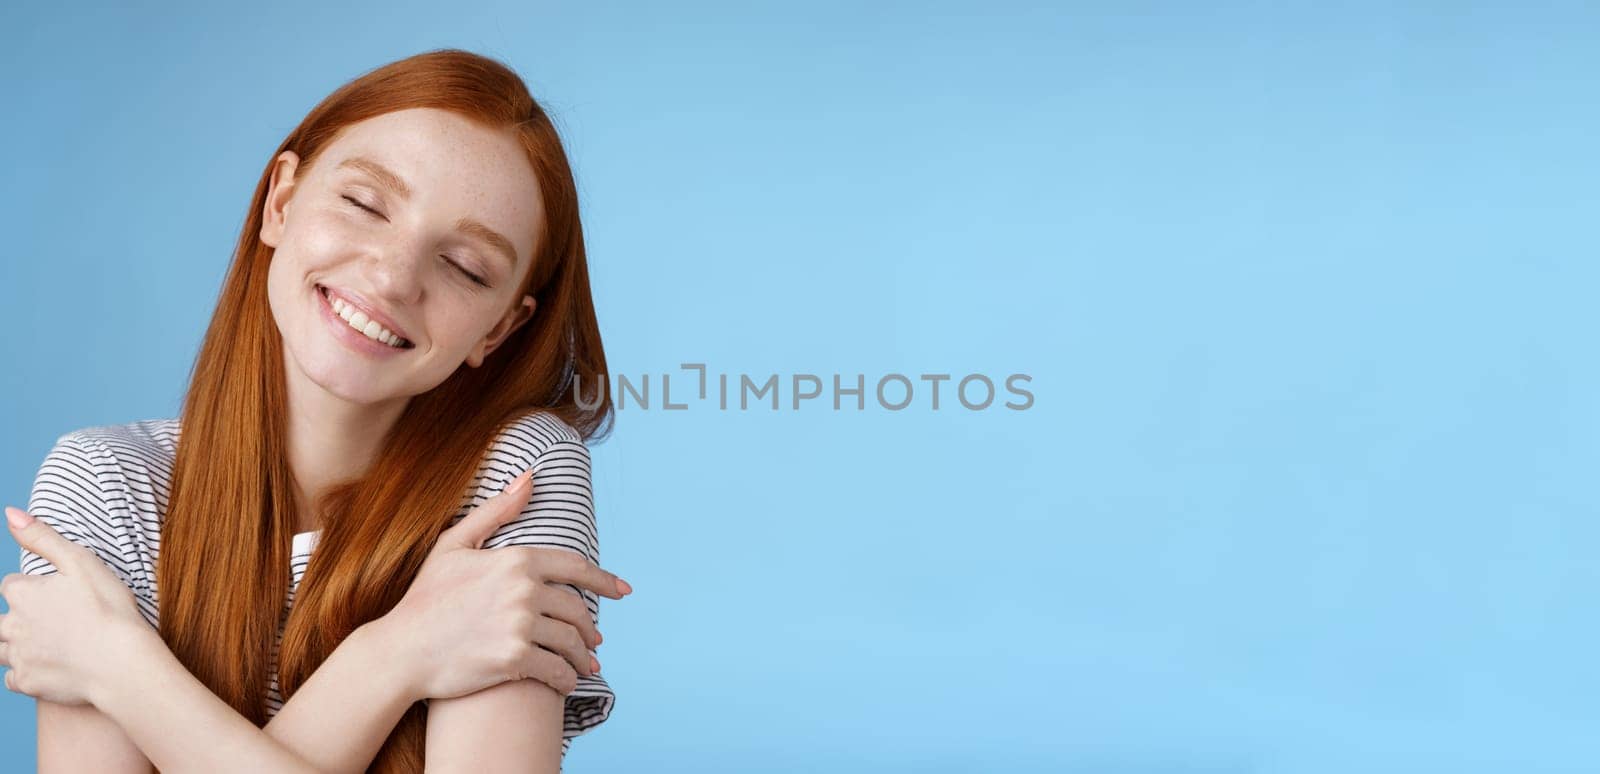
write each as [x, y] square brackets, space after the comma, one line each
[223, 571]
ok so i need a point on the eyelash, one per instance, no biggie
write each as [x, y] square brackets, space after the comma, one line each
[475, 278]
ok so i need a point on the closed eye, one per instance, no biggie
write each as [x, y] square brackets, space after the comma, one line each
[470, 275]
[362, 206]
[475, 278]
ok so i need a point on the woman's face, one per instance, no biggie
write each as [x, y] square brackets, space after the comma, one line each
[447, 198]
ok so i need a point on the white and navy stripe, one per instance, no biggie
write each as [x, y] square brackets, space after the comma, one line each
[106, 488]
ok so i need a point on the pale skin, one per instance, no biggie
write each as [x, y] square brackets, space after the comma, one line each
[487, 678]
[119, 695]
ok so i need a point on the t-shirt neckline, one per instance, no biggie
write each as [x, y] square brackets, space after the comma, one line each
[305, 541]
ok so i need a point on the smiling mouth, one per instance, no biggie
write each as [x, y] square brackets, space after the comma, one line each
[328, 299]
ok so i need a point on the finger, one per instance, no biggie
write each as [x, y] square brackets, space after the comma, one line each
[575, 568]
[477, 526]
[562, 638]
[13, 583]
[564, 604]
[550, 669]
[5, 655]
[37, 536]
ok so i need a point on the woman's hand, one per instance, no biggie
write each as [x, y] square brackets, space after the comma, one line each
[475, 618]
[63, 632]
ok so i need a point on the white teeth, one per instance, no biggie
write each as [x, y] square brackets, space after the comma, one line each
[369, 328]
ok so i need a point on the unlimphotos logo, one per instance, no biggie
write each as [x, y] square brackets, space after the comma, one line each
[894, 392]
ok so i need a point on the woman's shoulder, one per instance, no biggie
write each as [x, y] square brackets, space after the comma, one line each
[154, 440]
[134, 457]
[529, 437]
[538, 428]
[121, 471]
[560, 461]
[103, 487]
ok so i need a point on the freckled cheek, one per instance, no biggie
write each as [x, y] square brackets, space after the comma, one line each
[454, 332]
[326, 242]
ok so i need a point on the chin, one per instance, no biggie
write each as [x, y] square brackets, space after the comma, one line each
[357, 393]
[341, 375]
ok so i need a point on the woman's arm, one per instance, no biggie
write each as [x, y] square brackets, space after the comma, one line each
[79, 737]
[341, 716]
[177, 721]
[513, 727]
[446, 614]
[518, 726]
[336, 721]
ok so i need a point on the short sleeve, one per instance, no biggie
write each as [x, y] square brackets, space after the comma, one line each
[559, 514]
[70, 493]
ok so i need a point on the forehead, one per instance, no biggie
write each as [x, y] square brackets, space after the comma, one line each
[453, 167]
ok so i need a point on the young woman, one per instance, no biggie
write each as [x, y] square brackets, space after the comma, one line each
[406, 327]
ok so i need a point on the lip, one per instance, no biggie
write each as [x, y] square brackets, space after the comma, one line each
[354, 299]
[353, 338]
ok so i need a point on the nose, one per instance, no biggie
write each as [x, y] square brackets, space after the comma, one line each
[395, 273]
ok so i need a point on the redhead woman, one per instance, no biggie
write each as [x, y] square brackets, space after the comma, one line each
[368, 541]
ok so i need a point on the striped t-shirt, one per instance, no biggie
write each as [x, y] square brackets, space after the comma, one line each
[106, 488]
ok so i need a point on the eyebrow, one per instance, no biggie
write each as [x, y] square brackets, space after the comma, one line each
[468, 226]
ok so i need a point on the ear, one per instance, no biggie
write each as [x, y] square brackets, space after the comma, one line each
[279, 188]
[509, 322]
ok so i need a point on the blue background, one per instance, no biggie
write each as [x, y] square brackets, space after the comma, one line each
[1305, 294]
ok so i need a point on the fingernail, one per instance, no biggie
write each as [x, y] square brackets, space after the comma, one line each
[18, 518]
[598, 637]
[594, 664]
[623, 586]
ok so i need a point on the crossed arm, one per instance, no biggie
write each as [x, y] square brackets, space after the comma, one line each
[147, 709]
[336, 722]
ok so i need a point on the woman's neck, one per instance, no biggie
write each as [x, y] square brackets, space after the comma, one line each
[331, 440]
